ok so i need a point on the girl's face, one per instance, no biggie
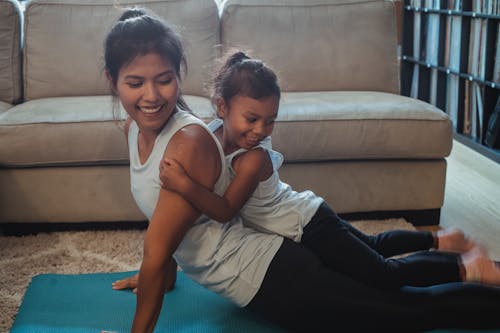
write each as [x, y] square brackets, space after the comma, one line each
[247, 121]
[148, 89]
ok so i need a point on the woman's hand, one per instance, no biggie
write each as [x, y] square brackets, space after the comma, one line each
[131, 282]
[173, 177]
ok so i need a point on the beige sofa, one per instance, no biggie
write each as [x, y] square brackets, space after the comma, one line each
[343, 128]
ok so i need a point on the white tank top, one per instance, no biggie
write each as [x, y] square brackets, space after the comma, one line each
[229, 259]
[274, 207]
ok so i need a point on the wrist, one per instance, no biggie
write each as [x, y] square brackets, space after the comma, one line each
[187, 187]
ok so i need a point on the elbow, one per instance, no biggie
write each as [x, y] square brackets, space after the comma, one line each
[224, 218]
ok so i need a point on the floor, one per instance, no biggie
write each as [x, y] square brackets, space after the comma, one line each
[472, 197]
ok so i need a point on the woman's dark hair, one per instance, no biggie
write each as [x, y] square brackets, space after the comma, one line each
[138, 32]
[242, 75]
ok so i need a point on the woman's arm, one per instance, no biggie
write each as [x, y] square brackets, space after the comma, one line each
[169, 283]
[132, 281]
[250, 168]
[196, 151]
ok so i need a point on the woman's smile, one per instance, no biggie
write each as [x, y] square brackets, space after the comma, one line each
[150, 109]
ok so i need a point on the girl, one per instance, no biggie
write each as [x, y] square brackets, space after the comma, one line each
[277, 278]
[246, 95]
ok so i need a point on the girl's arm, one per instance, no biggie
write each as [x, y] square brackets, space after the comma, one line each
[196, 151]
[250, 167]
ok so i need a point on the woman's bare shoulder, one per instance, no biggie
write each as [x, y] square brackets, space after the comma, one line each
[194, 137]
[195, 149]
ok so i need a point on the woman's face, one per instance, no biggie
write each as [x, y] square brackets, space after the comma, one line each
[148, 89]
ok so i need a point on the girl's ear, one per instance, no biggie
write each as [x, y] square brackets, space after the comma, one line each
[221, 107]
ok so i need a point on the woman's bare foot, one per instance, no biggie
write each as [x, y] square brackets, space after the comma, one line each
[479, 268]
[130, 282]
[454, 240]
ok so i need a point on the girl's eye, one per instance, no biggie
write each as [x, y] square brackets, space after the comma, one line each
[251, 120]
[270, 122]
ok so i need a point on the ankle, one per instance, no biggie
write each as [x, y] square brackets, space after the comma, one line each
[452, 240]
[462, 272]
[472, 265]
[435, 240]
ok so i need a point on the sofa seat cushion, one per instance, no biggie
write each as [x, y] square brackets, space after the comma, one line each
[311, 126]
[4, 107]
[347, 125]
[67, 131]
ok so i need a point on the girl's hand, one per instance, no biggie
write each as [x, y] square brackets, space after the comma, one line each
[173, 177]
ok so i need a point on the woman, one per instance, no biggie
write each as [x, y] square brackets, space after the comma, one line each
[272, 276]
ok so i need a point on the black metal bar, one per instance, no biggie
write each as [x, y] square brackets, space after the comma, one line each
[452, 12]
[448, 71]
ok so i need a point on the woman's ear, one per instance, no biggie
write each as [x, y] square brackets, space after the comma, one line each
[110, 82]
[221, 107]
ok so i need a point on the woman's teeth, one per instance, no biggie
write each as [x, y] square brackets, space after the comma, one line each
[149, 109]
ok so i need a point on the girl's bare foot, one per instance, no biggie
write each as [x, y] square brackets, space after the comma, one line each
[454, 240]
[479, 268]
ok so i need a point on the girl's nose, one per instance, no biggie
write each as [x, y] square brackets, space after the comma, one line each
[259, 129]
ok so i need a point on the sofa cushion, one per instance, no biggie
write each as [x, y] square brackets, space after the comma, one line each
[68, 131]
[10, 51]
[320, 126]
[314, 126]
[4, 107]
[372, 185]
[64, 43]
[328, 45]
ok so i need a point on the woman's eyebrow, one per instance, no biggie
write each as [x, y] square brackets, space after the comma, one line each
[167, 72]
[138, 77]
[134, 77]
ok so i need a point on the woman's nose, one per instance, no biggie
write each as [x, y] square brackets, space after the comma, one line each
[151, 92]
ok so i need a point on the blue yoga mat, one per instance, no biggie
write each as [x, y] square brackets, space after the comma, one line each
[86, 303]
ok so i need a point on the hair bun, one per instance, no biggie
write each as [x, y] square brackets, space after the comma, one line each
[131, 13]
[236, 58]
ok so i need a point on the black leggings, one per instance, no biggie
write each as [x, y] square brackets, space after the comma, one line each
[365, 258]
[301, 294]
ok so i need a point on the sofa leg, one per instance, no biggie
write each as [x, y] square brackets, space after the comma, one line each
[22, 229]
